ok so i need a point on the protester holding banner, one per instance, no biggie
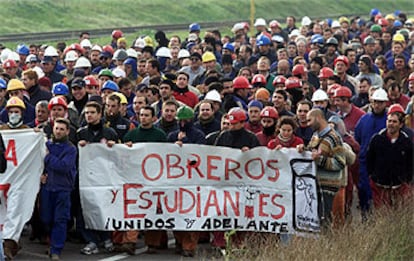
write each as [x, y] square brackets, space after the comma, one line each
[286, 137]
[3, 167]
[328, 154]
[58, 181]
[186, 241]
[94, 131]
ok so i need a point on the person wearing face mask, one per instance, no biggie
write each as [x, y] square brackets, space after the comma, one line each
[15, 109]
[186, 241]
[268, 120]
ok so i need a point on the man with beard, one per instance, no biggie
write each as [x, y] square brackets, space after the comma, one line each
[168, 122]
[268, 119]
[113, 116]
[253, 122]
[303, 131]
[328, 154]
[207, 122]
[368, 125]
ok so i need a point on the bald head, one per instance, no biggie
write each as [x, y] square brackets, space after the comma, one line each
[316, 119]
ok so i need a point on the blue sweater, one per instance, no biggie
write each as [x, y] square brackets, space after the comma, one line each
[60, 166]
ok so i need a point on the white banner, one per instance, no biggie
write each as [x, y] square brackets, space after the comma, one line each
[19, 185]
[197, 187]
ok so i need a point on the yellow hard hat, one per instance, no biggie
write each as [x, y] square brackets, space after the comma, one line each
[148, 41]
[122, 97]
[15, 102]
[343, 19]
[208, 57]
[390, 17]
[15, 84]
[398, 38]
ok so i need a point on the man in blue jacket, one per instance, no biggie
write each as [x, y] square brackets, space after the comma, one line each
[57, 183]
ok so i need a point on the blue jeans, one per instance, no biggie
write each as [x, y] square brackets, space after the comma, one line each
[55, 214]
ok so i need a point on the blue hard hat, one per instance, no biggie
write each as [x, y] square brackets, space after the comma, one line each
[60, 88]
[397, 23]
[194, 27]
[22, 49]
[262, 40]
[3, 84]
[374, 12]
[397, 12]
[229, 47]
[317, 39]
[110, 85]
[329, 21]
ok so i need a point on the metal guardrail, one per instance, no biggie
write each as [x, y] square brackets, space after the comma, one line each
[74, 34]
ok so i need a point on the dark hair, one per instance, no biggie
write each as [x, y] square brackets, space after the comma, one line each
[124, 82]
[154, 63]
[286, 120]
[183, 73]
[283, 93]
[150, 108]
[170, 102]
[95, 105]
[63, 121]
[305, 102]
[115, 97]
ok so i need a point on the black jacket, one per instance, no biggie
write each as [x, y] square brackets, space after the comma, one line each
[37, 94]
[96, 133]
[237, 139]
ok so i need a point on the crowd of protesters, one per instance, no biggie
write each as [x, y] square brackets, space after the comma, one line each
[342, 89]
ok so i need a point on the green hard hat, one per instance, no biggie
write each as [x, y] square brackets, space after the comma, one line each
[185, 113]
[106, 72]
[376, 28]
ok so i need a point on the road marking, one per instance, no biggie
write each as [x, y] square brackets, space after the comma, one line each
[137, 252]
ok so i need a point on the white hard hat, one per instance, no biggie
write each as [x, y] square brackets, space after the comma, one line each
[213, 95]
[82, 62]
[163, 52]
[14, 56]
[295, 32]
[139, 43]
[132, 53]
[237, 27]
[51, 51]
[38, 71]
[183, 53]
[71, 56]
[260, 22]
[30, 57]
[380, 95]
[5, 54]
[335, 24]
[118, 72]
[86, 43]
[96, 48]
[319, 95]
[306, 21]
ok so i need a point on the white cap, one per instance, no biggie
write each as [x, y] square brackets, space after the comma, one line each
[335, 24]
[380, 95]
[213, 95]
[237, 27]
[118, 72]
[278, 38]
[183, 53]
[71, 56]
[132, 53]
[96, 48]
[164, 52]
[260, 22]
[295, 32]
[38, 71]
[51, 51]
[86, 43]
[306, 21]
[82, 62]
[139, 43]
[319, 95]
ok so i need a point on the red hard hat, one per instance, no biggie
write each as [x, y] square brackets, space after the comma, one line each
[90, 81]
[411, 77]
[332, 88]
[325, 73]
[377, 17]
[342, 58]
[108, 48]
[57, 101]
[236, 114]
[76, 47]
[9, 63]
[342, 91]
[241, 82]
[299, 69]
[383, 22]
[117, 34]
[293, 82]
[270, 112]
[280, 79]
[259, 78]
[395, 108]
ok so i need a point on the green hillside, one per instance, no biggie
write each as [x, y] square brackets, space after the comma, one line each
[19, 16]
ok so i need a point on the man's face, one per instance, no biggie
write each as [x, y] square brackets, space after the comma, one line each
[399, 64]
[236, 126]
[142, 68]
[182, 81]
[27, 81]
[195, 62]
[386, 37]
[60, 130]
[41, 113]
[351, 56]
[301, 112]
[206, 111]
[262, 65]
[393, 124]
[209, 65]
[138, 103]
[112, 107]
[394, 94]
[225, 124]
[165, 91]
[312, 122]
[228, 87]
[267, 122]
[78, 93]
[340, 67]
[363, 67]
[91, 115]
[145, 118]
[379, 106]
[174, 41]
[58, 111]
[370, 48]
[320, 104]
[127, 90]
[94, 57]
[149, 69]
[397, 49]
[291, 50]
[340, 104]
[278, 100]
[254, 114]
[363, 87]
[411, 86]
[169, 112]
[11, 71]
